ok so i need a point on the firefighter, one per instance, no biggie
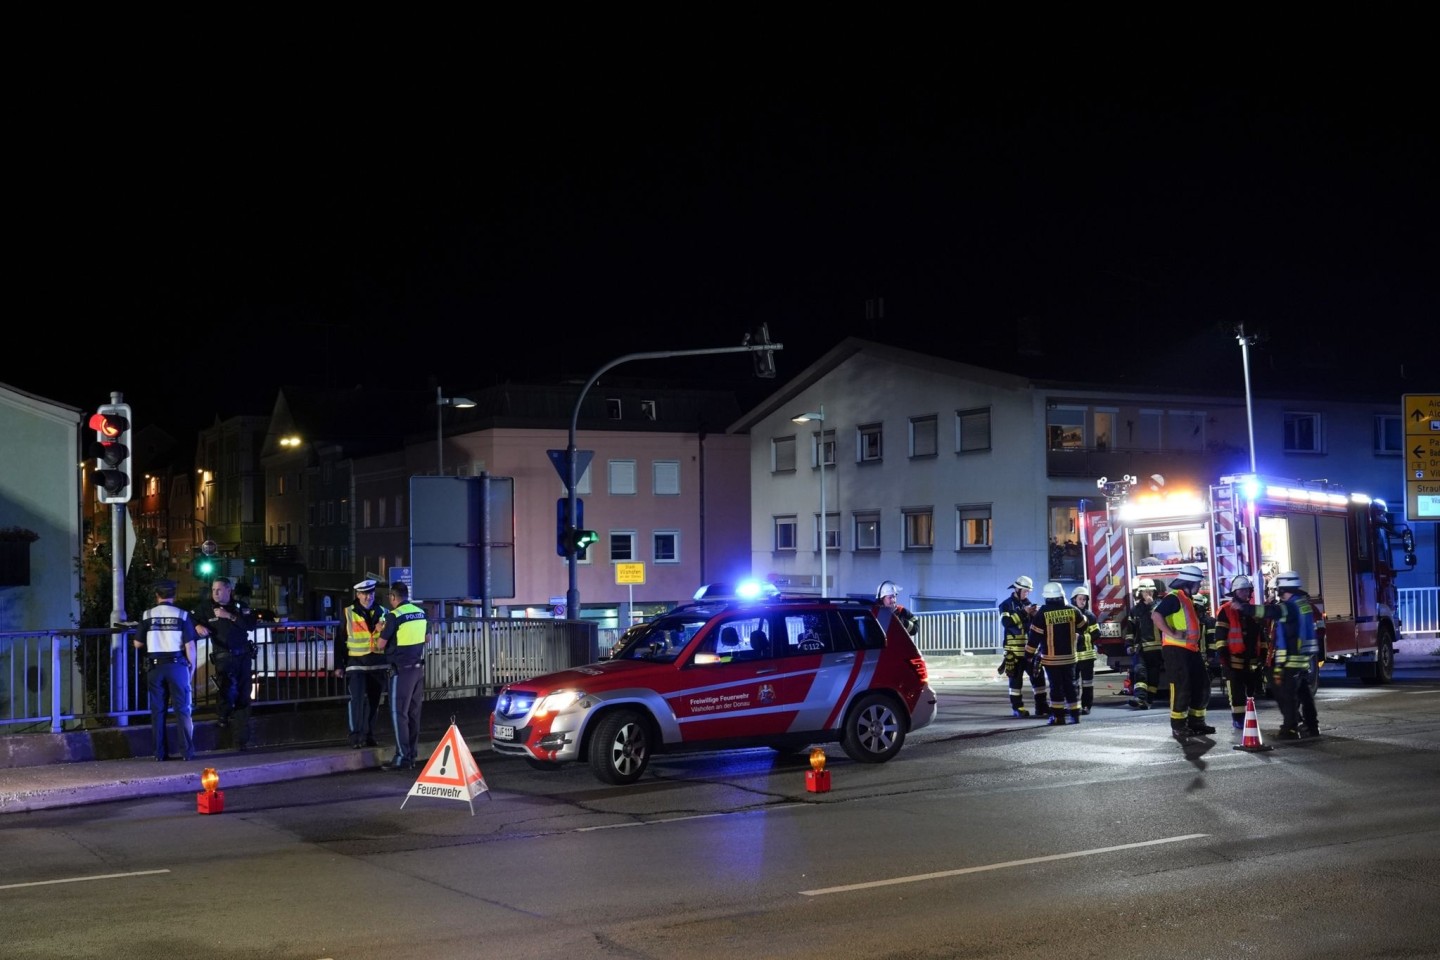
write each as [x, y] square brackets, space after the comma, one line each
[1243, 642]
[1143, 645]
[1085, 648]
[1054, 632]
[1296, 645]
[1015, 613]
[887, 605]
[1179, 626]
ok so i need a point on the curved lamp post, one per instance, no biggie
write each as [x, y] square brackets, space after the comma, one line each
[463, 403]
[819, 417]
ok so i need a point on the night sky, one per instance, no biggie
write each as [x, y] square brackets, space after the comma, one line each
[297, 222]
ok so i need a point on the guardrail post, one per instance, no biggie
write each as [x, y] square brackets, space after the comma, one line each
[55, 700]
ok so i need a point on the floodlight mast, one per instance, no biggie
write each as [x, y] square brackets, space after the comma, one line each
[572, 594]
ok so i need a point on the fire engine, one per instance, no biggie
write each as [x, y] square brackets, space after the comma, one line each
[1341, 543]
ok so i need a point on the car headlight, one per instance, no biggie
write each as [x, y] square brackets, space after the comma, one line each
[558, 702]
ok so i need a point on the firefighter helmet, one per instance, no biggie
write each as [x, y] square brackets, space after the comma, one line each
[1080, 591]
[1023, 582]
[1188, 575]
[1202, 600]
[887, 588]
[1241, 582]
[1144, 583]
[1053, 591]
[1288, 580]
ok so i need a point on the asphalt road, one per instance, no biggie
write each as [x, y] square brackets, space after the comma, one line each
[986, 837]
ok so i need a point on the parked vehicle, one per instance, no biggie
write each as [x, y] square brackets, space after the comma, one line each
[725, 671]
[1342, 544]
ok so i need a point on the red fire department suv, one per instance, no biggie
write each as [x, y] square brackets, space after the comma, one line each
[728, 672]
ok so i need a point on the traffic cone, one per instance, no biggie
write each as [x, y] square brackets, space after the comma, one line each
[1250, 738]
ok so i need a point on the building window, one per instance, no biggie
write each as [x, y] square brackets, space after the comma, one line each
[1389, 435]
[919, 528]
[1303, 433]
[785, 528]
[647, 409]
[867, 531]
[972, 527]
[1064, 529]
[972, 430]
[380, 511]
[1186, 431]
[667, 546]
[400, 510]
[782, 455]
[923, 441]
[365, 518]
[822, 447]
[622, 546]
[869, 442]
[832, 531]
[666, 477]
[622, 477]
[1066, 428]
[612, 408]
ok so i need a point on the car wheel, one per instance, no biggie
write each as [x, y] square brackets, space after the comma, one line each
[1384, 671]
[874, 730]
[620, 747]
[547, 765]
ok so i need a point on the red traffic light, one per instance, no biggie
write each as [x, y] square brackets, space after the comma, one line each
[108, 425]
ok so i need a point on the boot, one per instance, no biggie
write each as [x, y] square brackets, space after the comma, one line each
[1042, 704]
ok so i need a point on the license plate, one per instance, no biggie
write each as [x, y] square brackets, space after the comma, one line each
[503, 732]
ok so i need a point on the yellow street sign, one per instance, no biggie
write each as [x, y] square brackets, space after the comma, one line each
[631, 573]
[1422, 456]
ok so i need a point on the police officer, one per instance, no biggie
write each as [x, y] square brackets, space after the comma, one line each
[887, 605]
[362, 664]
[1054, 629]
[1015, 613]
[1085, 648]
[1243, 642]
[1296, 645]
[227, 623]
[1144, 646]
[402, 639]
[166, 639]
[1180, 629]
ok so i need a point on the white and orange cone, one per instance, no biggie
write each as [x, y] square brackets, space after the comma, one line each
[1250, 738]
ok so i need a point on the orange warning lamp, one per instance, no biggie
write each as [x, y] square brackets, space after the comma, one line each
[817, 778]
[211, 799]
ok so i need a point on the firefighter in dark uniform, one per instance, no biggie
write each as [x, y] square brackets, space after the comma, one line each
[1244, 644]
[402, 638]
[1054, 629]
[887, 605]
[1015, 613]
[1296, 645]
[1085, 648]
[1181, 634]
[1144, 646]
[166, 641]
[232, 654]
[362, 664]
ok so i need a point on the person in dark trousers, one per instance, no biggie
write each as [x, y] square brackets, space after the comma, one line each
[1144, 646]
[232, 654]
[887, 605]
[1085, 648]
[166, 641]
[1244, 644]
[402, 639]
[1181, 634]
[1054, 629]
[359, 660]
[1296, 645]
[1015, 613]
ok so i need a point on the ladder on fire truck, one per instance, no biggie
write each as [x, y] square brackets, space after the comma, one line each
[1230, 548]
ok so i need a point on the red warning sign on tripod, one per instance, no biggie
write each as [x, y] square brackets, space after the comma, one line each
[451, 773]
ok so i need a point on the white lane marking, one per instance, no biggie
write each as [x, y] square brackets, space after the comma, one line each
[996, 866]
[1417, 693]
[103, 876]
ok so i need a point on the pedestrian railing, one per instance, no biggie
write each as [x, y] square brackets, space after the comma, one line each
[1419, 612]
[57, 680]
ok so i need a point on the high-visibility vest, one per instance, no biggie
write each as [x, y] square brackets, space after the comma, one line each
[1185, 622]
[359, 638]
[412, 625]
[1296, 641]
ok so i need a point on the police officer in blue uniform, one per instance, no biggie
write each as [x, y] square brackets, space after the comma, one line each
[166, 639]
[228, 623]
[403, 641]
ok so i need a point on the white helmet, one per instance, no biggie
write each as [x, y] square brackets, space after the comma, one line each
[1188, 574]
[1241, 582]
[1144, 583]
[1023, 582]
[1080, 591]
[887, 588]
[1053, 591]
[1288, 580]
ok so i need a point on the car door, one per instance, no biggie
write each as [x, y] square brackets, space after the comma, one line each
[736, 690]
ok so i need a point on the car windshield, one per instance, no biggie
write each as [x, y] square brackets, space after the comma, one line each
[660, 640]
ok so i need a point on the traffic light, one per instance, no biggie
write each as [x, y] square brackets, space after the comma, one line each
[111, 450]
[565, 535]
[582, 540]
[764, 359]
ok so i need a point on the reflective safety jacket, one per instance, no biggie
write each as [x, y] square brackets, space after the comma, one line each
[1015, 623]
[1296, 641]
[1054, 630]
[1140, 629]
[1178, 612]
[362, 629]
[1240, 636]
[404, 634]
[166, 629]
[1085, 641]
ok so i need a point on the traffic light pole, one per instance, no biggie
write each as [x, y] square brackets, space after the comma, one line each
[572, 595]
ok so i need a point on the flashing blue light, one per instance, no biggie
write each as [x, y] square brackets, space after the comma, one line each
[748, 589]
[1250, 489]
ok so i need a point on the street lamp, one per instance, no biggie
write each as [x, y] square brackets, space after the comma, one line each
[824, 521]
[463, 403]
[1245, 343]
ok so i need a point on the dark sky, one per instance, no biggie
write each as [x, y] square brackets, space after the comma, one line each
[333, 222]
